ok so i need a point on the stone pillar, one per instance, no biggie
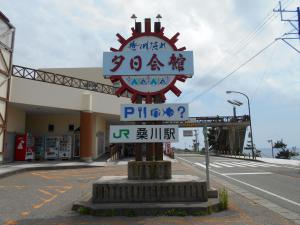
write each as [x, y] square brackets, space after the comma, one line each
[86, 138]
[138, 152]
[159, 152]
[137, 146]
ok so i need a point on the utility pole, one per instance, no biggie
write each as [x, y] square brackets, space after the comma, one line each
[295, 23]
[271, 141]
[196, 140]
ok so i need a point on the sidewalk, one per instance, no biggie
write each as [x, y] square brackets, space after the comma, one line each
[18, 167]
[58, 191]
[280, 161]
[8, 169]
[290, 162]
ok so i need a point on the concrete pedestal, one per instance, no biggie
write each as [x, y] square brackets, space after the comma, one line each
[145, 170]
[180, 188]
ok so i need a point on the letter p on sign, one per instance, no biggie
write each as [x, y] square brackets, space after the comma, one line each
[128, 111]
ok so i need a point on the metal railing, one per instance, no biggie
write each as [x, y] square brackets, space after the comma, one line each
[115, 152]
[53, 78]
[217, 119]
[213, 121]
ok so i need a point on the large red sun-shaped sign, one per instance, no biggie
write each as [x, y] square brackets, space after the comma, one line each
[147, 86]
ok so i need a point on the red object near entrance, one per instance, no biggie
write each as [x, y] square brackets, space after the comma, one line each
[24, 147]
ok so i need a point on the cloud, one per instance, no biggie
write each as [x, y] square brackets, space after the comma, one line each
[61, 33]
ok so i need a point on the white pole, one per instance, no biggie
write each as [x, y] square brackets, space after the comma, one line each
[206, 156]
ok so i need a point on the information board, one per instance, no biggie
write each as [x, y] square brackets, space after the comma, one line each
[143, 133]
[137, 63]
[154, 112]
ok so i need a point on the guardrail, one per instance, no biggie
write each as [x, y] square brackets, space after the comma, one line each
[53, 78]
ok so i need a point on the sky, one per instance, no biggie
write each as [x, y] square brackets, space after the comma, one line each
[222, 35]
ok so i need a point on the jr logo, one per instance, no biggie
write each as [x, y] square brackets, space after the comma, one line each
[122, 132]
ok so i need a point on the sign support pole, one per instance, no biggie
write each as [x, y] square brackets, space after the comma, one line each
[158, 146]
[206, 156]
[138, 146]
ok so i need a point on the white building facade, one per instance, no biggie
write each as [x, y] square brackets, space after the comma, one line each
[62, 102]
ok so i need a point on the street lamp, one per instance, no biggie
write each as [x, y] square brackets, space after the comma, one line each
[271, 141]
[158, 17]
[235, 103]
[133, 17]
[237, 92]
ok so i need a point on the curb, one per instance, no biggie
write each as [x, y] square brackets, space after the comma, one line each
[147, 209]
[246, 159]
[22, 170]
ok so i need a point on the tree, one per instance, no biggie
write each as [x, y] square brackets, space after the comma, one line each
[284, 153]
[212, 142]
[280, 144]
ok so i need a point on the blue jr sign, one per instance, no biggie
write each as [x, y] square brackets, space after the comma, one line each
[154, 112]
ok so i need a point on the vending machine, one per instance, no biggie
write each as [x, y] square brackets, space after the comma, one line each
[65, 151]
[52, 144]
[39, 147]
[24, 147]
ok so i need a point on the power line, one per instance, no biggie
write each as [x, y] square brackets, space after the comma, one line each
[244, 42]
[240, 45]
[235, 70]
[255, 34]
[268, 19]
[263, 77]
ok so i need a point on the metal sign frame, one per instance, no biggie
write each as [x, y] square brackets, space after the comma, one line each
[6, 49]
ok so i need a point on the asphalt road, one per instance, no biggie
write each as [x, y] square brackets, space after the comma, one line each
[45, 197]
[280, 184]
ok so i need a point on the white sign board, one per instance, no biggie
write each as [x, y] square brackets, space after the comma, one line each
[143, 133]
[154, 112]
[136, 63]
[188, 133]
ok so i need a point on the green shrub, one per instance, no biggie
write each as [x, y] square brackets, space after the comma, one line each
[175, 212]
[83, 210]
[199, 213]
[209, 209]
[223, 197]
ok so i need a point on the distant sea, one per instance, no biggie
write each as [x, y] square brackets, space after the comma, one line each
[267, 152]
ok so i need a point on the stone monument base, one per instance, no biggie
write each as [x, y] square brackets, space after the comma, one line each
[145, 170]
[147, 209]
[119, 196]
[180, 188]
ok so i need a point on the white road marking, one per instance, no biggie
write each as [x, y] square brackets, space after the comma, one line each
[222, 164]
[200, 164]
[238, 164]
[255, 173]
[295, 168]
[264, 164]
[258, 164]
[272, 165]
[233, 164]
[252, 186]
[214, 165]
[247, 164]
